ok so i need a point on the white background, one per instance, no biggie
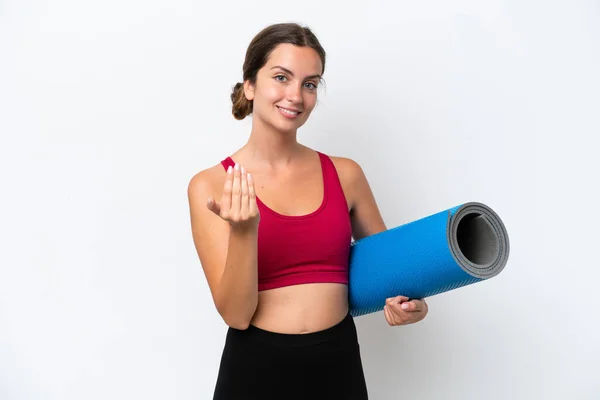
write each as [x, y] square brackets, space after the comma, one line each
[108, 108]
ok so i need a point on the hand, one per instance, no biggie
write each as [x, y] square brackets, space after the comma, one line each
[238, 201]
[400, 311]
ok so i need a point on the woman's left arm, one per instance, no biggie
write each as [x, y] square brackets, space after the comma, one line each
[367, 220]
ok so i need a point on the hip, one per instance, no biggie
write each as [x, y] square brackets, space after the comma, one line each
[257, 363]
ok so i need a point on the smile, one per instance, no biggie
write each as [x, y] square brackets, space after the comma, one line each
[288, 113]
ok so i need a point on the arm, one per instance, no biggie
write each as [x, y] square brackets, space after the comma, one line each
[227, 249]
[367, 220]
[365, 216]
[364, 213]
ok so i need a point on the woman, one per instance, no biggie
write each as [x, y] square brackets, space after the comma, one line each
[275, 248]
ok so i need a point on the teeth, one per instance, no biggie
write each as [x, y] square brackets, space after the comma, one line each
[288, 111]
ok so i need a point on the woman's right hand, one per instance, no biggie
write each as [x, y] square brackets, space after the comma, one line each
[238, 202]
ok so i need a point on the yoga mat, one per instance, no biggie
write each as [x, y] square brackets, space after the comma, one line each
[442, 252]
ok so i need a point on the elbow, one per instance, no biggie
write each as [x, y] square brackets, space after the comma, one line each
[237, 321]
[241, 325]
[238, 317]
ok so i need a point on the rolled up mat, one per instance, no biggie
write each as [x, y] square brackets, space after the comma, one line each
[444, 251]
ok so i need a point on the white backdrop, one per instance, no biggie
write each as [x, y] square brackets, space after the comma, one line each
[108, 108]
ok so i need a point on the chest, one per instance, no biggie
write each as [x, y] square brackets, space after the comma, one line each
[291, 194]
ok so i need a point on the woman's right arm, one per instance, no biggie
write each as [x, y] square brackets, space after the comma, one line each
[225, 236]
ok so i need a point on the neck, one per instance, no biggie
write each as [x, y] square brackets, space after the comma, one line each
[270, 147]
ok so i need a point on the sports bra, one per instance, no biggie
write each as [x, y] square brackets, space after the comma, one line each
[310, 248]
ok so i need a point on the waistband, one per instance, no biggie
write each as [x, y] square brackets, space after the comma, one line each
[345, 330]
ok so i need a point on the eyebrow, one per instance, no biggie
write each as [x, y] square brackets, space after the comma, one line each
[292, 74]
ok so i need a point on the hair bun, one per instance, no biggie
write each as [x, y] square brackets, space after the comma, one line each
[241, 107]
[235, 92]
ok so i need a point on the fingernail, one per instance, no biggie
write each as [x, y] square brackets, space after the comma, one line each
[229, 169]
[243, 170]
[404, 306]
[237, 166]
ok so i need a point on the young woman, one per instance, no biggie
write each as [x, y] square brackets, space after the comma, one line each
[272, 225]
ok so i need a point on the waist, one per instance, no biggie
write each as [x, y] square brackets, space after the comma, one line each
[301, 309]
[340, 333]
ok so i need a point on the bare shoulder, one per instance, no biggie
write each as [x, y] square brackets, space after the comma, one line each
[352, 178]
[365, 215]
[348, 169]
[207, 182]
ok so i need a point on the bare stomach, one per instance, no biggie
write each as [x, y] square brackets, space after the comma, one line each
[301, 308]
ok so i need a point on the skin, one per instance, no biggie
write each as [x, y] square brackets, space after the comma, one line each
[286, 176]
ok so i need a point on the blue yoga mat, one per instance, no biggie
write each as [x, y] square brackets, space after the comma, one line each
[444, 251]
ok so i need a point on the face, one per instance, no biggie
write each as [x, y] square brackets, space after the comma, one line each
[285, 92]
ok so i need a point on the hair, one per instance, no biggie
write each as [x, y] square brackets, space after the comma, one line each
[258, 52]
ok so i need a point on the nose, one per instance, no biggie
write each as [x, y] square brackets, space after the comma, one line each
[294, 94]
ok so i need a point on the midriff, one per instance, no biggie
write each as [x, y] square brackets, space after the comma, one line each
[301, 308]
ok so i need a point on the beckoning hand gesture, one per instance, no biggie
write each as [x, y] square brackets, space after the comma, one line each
[238, 201]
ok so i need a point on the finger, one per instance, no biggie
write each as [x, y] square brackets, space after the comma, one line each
[244, 205]
[397, 317]
[420, 304]
[386, 313]
[398, 313]
[252, 207]
[226, 196]
[236, 191]
[213, 206]
[410, 306]
[397, 300]
[388, 317]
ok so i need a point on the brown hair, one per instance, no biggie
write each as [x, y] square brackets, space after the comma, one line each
[258, 52]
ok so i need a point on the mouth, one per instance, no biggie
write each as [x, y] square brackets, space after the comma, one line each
[289, 113]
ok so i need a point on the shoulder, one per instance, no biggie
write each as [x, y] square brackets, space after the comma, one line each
[352, 178]
[206, 182]
[349, 170]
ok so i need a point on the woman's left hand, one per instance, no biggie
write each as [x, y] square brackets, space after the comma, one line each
[400, 310]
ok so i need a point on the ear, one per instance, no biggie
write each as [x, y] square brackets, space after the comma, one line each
[249, 90]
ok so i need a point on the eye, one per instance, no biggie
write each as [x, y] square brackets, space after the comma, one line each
[283, 78]
[311, 85]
